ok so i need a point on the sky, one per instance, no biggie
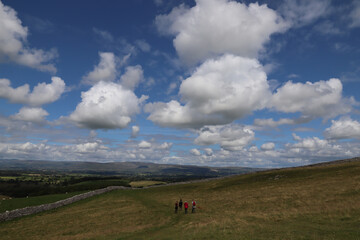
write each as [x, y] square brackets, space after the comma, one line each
[206, 82]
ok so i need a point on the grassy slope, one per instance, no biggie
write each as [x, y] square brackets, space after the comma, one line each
[303, 203]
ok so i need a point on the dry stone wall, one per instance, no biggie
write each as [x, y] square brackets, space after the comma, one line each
[8, 215]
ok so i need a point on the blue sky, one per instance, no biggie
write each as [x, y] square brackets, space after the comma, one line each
[206, 82]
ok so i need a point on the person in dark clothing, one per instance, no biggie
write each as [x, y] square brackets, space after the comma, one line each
[180, 204]
[186, 205]
[176, 206]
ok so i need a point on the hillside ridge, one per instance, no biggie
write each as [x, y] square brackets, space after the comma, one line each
[311, 202]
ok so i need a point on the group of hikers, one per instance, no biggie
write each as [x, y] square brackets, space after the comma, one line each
[179, 205]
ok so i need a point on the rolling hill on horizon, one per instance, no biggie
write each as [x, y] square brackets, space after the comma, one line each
[121, 168]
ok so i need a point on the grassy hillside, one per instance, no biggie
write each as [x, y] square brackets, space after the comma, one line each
[318, 202]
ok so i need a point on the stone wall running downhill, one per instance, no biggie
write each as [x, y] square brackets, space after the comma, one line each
[8, 215]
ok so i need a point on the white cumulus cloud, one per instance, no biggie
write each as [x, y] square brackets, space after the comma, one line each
[314, 149]
[35, 115]
[132, 77]
[144, 144]
[42, 93]
[230, 137]
[311, 143]
[218, 92]
[14, 46]
[268, 146]
[106, 105]
[345, 128]
[216, 27]
[86, 147]
[104, 71]
[195, 152]
[319, 99]
[165, 146]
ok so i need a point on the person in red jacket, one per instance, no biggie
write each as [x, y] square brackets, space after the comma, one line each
[193, 206]
[186, 205]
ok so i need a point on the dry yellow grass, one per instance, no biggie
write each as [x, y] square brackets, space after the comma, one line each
[303, 203]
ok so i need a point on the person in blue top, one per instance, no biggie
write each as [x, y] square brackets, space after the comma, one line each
[180, 204]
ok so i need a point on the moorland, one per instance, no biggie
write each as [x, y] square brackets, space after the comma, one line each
[28, 183]
[312, 202]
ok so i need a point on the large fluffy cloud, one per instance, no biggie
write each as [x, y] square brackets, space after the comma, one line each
[223, 89]
[106, 105]
[218, 92]
[42, 93]
[215, 27]
[345, 128]
[104, 71]
[13, 43]
[319, 99]
[229, 137]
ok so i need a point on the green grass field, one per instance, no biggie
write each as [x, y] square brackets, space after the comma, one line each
[23, 184]
[15, 203]
[321, 202]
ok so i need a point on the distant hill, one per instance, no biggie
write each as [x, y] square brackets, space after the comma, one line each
[121, 168]
[312, 202]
